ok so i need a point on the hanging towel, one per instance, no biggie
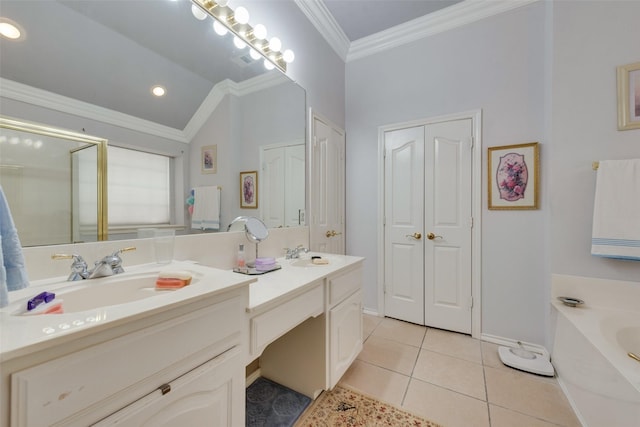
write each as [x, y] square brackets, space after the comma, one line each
[13, 274]
[616, 210]
[206, 208]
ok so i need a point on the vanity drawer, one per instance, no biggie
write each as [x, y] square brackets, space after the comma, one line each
[343, 285]
[272, 324]
[85, 386]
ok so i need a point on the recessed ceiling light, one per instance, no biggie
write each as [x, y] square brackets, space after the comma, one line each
[9, 30]
[158, 90]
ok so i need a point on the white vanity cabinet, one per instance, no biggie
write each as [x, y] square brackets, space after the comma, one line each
[181, 367]
[344, 322]
[317, 331]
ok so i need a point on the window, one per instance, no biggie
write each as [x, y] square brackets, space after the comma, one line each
[139, 187]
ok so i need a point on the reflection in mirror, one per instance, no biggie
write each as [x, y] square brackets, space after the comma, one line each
[54, 183]
[89, 65]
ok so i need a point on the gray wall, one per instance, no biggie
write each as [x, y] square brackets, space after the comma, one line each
[544, 72]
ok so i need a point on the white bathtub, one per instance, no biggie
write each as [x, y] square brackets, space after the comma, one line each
[590, 349]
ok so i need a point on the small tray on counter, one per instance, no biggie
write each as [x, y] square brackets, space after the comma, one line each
[251, 271]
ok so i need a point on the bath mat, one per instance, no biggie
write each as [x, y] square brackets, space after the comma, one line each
[346, 407]
[270, 404]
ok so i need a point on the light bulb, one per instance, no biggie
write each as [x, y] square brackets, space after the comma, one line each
[254, 54]
[14, 140]
[158, 91]
[198, 13]
[268, 65]
[9, 30]
[240, 44]
[37, 144]
[241, 15]
[275, 44]
[222, 3]
[220, 29]
[288, 56]
[260, 31]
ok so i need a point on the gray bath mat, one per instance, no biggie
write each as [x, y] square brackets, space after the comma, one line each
[270, 404]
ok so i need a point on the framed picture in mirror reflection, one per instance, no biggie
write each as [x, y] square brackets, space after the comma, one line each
[209, 159]
[249, 190]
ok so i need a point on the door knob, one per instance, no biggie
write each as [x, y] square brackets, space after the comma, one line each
[432, 236]
[416, 236]
[332, 233]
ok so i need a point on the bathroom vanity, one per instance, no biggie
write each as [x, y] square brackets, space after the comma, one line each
[180, 357]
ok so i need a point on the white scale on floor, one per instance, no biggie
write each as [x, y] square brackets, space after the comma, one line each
[526, 360]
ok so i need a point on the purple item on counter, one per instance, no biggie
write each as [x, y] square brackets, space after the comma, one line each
[43, 297]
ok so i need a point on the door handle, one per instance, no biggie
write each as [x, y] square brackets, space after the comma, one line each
[332, 233]
[416, 236]
[432, 236]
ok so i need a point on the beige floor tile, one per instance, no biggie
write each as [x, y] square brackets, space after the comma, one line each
[404, 332]
[452, 373]
[529, 395]
[501, 417]
[490, 356]
[454, 344]
[389, 354]
[445, 407]
[369, 324]
[377, 382]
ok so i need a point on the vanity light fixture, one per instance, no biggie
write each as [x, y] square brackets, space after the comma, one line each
[198, 13]
[237, 22]
[158, 91]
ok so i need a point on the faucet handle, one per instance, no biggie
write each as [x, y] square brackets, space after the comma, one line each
[79, 269]
[116, 262]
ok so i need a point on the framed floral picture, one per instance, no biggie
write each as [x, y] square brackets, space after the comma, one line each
[629, 96]
[209, 159]
[249, 190]
[513, 176]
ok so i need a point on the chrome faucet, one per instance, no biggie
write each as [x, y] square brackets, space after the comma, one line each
[295, 252]
[107, 266]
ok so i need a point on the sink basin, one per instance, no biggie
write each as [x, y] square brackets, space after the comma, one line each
[113, 290]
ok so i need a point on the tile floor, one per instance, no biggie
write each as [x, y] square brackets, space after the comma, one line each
[452, 379]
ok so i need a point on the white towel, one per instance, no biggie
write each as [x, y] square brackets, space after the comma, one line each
[206, 208]
[616, 210]
[13, 272]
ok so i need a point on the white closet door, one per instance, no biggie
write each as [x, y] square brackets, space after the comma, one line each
[294, 185]
[272, 184]
[404, 213]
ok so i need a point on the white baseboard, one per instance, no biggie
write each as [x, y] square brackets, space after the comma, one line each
[252, 377]
[508, 342]
[371, 312]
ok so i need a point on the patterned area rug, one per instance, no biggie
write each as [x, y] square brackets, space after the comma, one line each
[345, 407]
[270, 404]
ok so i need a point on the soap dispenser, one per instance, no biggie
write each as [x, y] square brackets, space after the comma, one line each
[240, 262]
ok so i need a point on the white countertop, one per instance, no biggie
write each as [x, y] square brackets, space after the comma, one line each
[21, 335]
[278, 284]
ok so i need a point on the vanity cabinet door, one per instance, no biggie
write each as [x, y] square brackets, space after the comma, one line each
[345, 336]
[210, 395]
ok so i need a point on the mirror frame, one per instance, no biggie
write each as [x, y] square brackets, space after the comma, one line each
[100, 143]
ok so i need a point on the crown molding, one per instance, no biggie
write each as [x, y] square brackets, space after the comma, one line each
[325, 23]
[459, 14]
[42, 98]
[225, 87]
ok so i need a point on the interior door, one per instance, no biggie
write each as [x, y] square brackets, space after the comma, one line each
[404, 217]
[294, 185]
[448, 223]
[327, 187]
[272, 194]
[428, 223]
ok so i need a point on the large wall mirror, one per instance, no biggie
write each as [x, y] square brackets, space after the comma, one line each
[89, 66]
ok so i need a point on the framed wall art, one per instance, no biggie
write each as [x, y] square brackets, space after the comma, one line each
[514, 176]
[249, 190]
[629, 96]
[209, 159]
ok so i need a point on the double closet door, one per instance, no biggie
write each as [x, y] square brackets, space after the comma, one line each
[428, 224]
